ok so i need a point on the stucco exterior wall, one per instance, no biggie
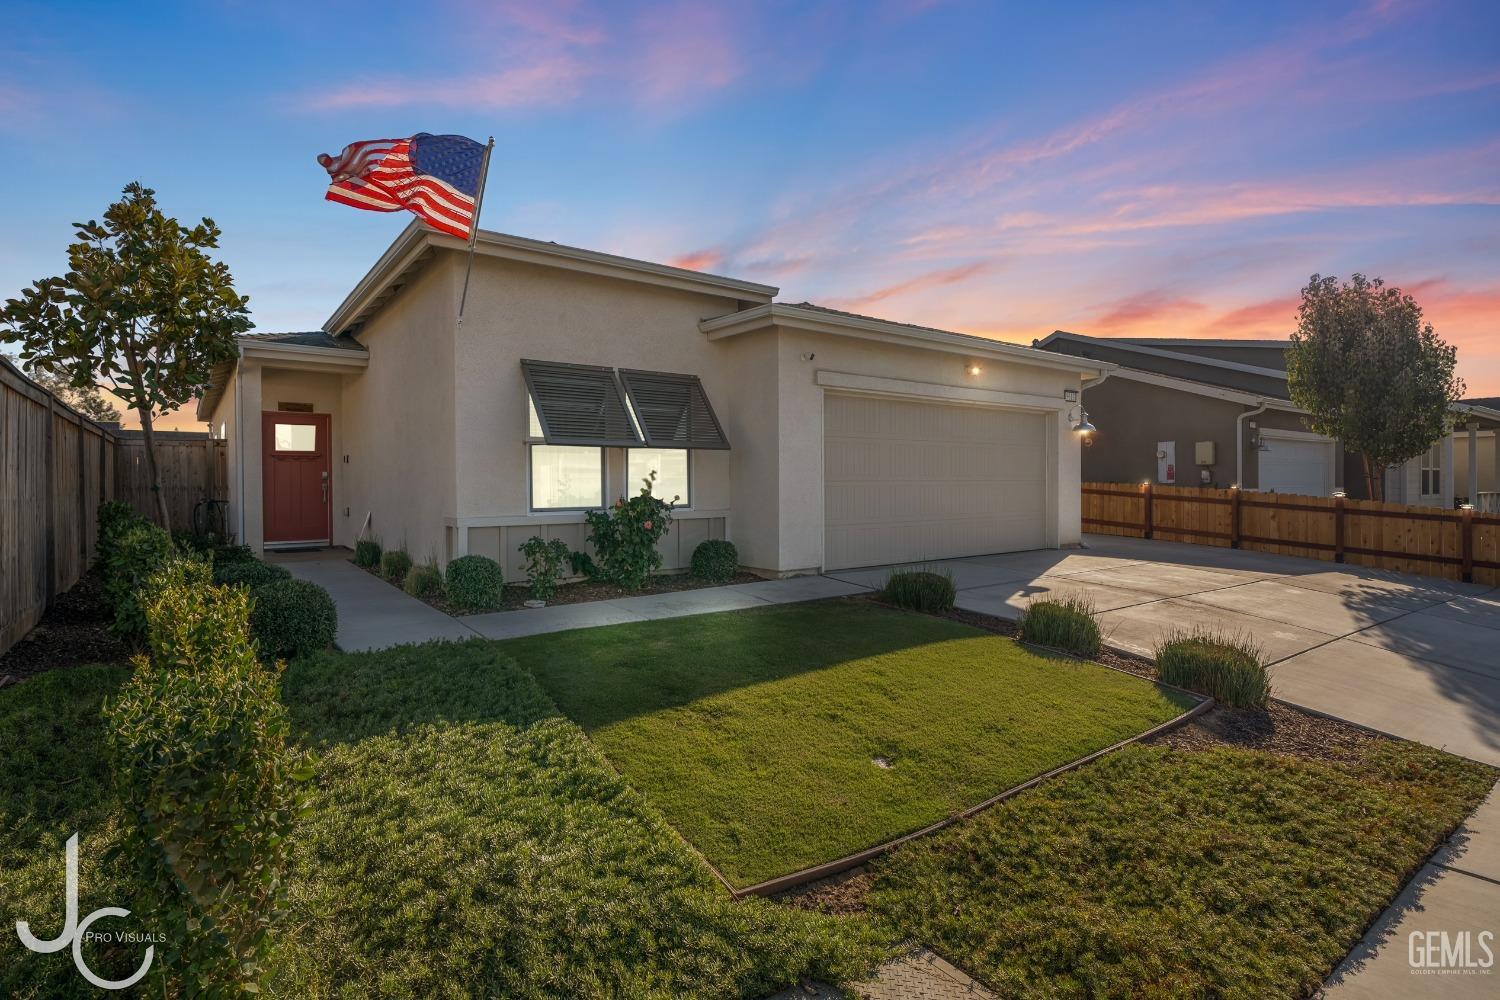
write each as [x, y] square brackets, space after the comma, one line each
[519, 310]
[398, 421]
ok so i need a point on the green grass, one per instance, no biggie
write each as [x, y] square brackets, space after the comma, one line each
[755, 731]
[465, 840]
[1178, 874]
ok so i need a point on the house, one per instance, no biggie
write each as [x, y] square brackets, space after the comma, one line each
[1218, 412]
[814, 439]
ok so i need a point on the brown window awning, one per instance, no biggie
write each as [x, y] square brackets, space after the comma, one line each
[579, 404]
[673, 410]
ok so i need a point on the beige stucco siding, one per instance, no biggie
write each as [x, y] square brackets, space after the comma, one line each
[398, 419]
[518, 310]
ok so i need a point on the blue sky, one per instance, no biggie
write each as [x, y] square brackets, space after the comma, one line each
[1173, 169]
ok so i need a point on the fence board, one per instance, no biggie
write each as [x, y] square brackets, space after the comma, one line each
[56, 467]
[1429, 541]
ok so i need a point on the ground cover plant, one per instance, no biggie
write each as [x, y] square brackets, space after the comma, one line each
[1228, 667]
[464, 840]
[919, 590]
[1062, 624]
[779, 738]
[1162, 872]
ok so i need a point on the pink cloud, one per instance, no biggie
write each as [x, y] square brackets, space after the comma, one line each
[699, 260]
[553, 81]
[919, 283]
[1144, 309]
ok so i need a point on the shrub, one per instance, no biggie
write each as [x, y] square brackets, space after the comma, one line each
[1230, 668]
[425, 581]
[137, 554]
[248, 574]
[544, 563]
[203, 757]
[114, 518]
[367, 553]
[919, 590]
[715, 559]
[292, 618]
[223, 555]
[474, 583]
[1065, 623]
[582, 564]
[624, 538]
[394, 565]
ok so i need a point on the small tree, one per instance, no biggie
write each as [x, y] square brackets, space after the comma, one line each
[86, 398]
[1370, 372]
[142, 309]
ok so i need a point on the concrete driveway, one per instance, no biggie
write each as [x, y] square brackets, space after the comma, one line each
[1412, 656]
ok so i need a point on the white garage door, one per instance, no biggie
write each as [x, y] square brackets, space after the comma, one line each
[1296, 465]
[907, 481]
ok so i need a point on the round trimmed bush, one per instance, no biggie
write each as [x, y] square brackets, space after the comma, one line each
[249, 574]
[292, 618]
[474, 583]
[715, 559]
[919, 590]
[394, 566]
[424, 581]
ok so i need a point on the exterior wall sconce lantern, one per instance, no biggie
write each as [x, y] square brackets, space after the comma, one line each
[973, 368]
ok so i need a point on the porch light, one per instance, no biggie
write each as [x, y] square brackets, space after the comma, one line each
[973, 368]
[1339, 494]
[1083, 426]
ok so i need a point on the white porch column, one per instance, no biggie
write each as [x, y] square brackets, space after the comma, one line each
[1448, 470]
[1473, 461]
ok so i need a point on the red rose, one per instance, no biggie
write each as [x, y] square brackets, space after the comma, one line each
[648, 525]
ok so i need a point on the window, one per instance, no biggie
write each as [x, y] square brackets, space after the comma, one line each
[671, 468]
[296, 437]
[566, 477]
[1432, 471]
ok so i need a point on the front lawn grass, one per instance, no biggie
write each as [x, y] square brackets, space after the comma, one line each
[756, 732]
[1173, 873]
[465, 840]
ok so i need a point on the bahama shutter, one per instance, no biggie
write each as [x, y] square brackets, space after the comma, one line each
[579, 404]
[673, 410]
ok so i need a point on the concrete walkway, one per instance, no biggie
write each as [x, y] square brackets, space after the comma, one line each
[372, 613]
[375, 615]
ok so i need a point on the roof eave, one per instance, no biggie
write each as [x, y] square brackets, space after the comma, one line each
[777, 314]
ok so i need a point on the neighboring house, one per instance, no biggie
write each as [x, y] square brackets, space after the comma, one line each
[1218, 412]
[814, 439]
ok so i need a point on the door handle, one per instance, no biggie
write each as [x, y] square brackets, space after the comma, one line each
[325, 494]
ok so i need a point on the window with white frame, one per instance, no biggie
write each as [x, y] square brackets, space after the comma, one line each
[566, 477]
[1432, 470]
[671, 466]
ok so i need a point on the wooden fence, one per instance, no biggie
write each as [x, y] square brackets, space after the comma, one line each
[1455, 544]
[56, 467]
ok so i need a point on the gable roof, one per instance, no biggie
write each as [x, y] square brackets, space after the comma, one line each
[1144, 346]
[416, 244]
[822, 319]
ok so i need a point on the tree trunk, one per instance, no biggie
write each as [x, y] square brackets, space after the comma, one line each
[143, 408]
[1374, 479]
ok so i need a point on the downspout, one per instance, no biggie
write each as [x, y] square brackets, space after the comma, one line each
[1239, 443]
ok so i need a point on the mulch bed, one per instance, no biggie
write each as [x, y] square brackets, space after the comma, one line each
[1278, 728]
[74, 632]
[513, 596]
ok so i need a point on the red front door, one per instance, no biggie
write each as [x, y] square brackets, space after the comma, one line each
[298, 477]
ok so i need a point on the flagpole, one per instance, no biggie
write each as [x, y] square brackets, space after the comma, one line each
[484, 175]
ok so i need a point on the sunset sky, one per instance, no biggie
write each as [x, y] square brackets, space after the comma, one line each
[1168, 170]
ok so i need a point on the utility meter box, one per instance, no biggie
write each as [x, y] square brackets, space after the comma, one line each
[1203, 453]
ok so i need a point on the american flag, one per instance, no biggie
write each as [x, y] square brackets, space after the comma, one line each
[435, 177]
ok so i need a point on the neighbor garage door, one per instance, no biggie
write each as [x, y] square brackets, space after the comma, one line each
[909, 481]
[1296, 465]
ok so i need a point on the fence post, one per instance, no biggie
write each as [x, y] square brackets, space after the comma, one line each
[1234, 517]
[1146, 527]
[1338, 529]
[1466, 525]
